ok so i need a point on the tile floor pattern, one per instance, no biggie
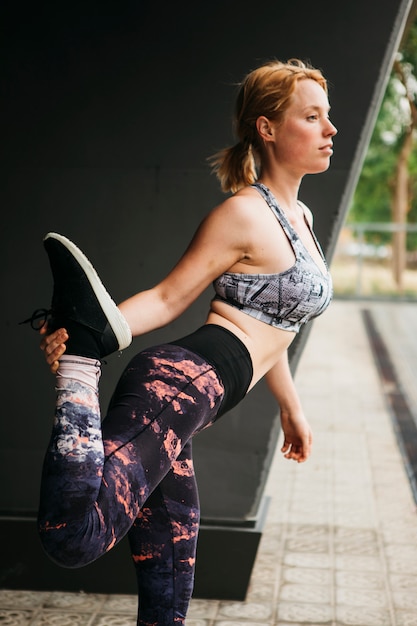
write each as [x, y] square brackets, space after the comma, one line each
[340, 544]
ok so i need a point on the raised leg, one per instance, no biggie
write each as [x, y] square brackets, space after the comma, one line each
[93, 487]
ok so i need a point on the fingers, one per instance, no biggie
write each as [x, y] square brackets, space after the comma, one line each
[298, 453]
[54, 367]
[53, 346]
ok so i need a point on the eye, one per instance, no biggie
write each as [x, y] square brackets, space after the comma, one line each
[313, 118]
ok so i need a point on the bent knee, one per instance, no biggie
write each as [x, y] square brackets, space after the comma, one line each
[70, 550]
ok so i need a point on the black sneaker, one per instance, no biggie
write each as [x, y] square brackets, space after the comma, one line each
[81, 304]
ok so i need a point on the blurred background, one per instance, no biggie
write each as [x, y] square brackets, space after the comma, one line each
[376, 252]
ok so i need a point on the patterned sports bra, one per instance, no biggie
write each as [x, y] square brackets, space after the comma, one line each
[285, 300]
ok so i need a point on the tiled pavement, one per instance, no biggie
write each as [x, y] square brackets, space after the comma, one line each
[340, 546]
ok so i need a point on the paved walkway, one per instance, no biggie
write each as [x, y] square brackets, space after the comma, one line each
[340, 546]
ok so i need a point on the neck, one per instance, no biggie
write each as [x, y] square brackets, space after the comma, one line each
[283, 182]
[286, 194]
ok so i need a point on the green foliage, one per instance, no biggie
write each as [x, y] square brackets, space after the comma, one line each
[372, 198]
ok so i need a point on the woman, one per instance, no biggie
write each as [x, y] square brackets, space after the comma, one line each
[134, 474]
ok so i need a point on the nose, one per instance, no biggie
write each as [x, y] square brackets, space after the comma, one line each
[332, 130]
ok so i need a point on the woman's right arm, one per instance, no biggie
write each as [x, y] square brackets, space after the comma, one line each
[222, 240]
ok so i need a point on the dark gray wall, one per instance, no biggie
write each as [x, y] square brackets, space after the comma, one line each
[108, 118]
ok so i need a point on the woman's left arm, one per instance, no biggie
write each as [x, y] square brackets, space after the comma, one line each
[297, 432]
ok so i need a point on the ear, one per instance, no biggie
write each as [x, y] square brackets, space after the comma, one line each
[265, 128]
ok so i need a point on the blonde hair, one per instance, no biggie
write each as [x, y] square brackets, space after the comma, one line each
[264, 91]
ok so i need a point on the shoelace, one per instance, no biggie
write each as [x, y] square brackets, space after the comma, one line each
[38, 319]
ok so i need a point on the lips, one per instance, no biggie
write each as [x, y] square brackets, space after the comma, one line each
[328, 149]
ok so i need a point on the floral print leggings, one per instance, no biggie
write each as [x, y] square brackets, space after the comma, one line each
[133, 474]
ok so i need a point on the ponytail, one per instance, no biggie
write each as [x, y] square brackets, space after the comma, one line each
[234, 167]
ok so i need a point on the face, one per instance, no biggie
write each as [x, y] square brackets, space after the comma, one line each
[303, 141]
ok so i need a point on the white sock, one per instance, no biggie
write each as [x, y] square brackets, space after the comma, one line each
[80, 368]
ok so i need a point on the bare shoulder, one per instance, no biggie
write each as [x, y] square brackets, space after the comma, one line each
[242, 208]
[307, 212]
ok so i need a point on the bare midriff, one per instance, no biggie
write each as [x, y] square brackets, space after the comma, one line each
[266, 344]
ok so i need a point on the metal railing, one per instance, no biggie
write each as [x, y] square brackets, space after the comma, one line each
[362, 247]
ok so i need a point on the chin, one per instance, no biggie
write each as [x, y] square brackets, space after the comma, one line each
[321, 168]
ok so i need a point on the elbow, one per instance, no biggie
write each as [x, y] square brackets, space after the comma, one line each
[170, 311]
[171, 306]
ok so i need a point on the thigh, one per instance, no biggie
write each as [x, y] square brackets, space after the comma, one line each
[161, 401]
[161, 380]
